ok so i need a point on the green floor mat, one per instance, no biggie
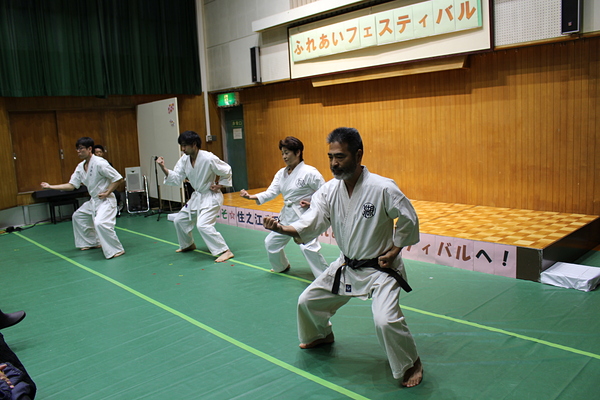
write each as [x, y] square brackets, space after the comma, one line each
[156, 324]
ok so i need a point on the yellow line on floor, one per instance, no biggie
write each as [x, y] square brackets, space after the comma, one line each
[200, 325]
[504, 332]
[456, 320]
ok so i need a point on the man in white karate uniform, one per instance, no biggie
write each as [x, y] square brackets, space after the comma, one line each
[360, 207]
[202, 169]
[296, 183]
[94, 222]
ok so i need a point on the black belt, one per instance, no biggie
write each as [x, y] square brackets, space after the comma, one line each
[372, 263]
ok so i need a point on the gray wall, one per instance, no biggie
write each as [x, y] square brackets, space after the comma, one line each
[229, 34]
[229, 37]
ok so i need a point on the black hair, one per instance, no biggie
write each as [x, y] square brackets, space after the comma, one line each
[350, 136]
[85, 142]
[189, 138]
[99, 146]
[292, 144]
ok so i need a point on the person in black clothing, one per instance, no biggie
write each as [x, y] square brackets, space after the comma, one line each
[15, 382]
[10, 319]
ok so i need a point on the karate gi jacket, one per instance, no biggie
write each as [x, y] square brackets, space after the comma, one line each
[100, 174]
[201, 176]
[299, 185]
[364, 223]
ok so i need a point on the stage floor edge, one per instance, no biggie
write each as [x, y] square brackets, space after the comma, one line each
[501, 241]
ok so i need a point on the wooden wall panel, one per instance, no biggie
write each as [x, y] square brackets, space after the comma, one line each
[215, 128]
[519, 129]
[8, 188]
[77, 103]
[192, 118]
[73, 125]
[37, 156]
[110, 122]
[121, 140]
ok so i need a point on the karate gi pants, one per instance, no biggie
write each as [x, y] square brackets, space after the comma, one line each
[94, 224]
[276, 242]
[316, 305]
[204, 220]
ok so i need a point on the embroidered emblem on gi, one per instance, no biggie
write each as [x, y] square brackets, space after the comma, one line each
[368, 210]
[300, 182]
[348, 288]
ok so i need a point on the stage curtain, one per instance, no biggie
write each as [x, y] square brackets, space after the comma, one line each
[98, 47]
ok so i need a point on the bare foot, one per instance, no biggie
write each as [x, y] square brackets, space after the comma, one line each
[189, 248]
[326, 340]
[225, 256]
[118, 254]
[414, 375]
[89, 248]
[284, 271]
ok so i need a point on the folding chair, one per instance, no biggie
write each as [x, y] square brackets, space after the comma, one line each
[136, 191]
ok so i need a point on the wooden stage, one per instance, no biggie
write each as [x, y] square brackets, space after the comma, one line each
[501, 241]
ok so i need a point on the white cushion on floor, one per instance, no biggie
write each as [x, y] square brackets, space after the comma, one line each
[572, 276]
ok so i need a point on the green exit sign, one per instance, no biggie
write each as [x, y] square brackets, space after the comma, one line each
[227, 99]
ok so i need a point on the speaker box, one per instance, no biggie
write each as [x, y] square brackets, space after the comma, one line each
[255, 63]
[571, 16]
[133, 179]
